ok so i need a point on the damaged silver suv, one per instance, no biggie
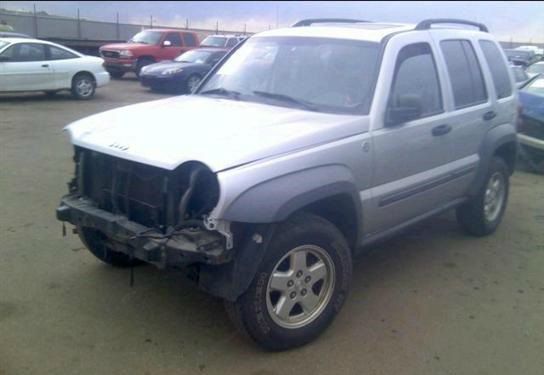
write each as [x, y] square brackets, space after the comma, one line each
[300, 148]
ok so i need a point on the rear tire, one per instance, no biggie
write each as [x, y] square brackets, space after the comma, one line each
[482, 214]
[95, 242]
[83, 86]
[299, 287]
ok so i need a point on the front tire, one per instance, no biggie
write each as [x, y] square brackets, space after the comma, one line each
[482, 214]
[192, 83]
[300, 286]
[95, 241]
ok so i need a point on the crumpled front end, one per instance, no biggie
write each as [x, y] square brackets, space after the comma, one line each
[153, 214]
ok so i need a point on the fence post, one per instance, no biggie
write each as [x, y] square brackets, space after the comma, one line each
[35, 21]
[78, 25]
[117, 33]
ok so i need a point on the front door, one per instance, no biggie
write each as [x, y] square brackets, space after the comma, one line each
[411, 143]
[25, 68]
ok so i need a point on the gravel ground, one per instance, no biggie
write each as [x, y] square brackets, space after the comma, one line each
[431, 301]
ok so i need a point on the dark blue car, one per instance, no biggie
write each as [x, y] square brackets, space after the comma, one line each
[182, 74]
[531, 122]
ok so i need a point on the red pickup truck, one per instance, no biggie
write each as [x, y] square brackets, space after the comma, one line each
[146, 47]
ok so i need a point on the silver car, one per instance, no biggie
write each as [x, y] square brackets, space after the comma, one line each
[300, 148]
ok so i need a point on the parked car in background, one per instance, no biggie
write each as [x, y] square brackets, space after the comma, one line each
[221, 41]
[539, 52]
[9, 34]
[520, 57]
[536, 68]
[531, 123]
[520, 75]
[184, 72]
[146, 48]
[37, 65]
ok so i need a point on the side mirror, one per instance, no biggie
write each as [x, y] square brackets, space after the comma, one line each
[166, 43]
[406, 108]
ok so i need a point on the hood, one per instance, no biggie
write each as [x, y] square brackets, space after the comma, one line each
[124, 46]
[218, 132]
[163, 65]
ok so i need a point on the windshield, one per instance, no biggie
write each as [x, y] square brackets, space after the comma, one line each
[327, 75]
[536, 87]
[536, 68]
[214, 41]
[146, 37]
[198, 57]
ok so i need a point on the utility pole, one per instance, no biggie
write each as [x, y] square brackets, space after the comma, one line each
[78, 25]
[186, 23]
[277, 16]
[151, 21]
[217, 27]
[35, 21]
[117, 33]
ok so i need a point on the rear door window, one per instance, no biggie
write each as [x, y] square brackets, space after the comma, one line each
[465, 74]
[498, 68]
[25, 52]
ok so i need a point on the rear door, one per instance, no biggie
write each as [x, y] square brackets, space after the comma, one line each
[26, 68]
[472, 99]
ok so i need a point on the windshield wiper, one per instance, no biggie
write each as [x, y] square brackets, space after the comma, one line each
[222, 92]
[287, 99]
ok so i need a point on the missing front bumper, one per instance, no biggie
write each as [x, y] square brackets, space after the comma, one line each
[175, 248]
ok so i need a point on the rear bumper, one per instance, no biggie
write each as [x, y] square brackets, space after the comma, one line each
[102, 78]
[182, 247]
[531, 141]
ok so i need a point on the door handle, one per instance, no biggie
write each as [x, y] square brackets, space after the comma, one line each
[441, 130]
[45, 65]
[489, 115]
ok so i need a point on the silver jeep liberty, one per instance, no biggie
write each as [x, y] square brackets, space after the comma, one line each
[301, 147]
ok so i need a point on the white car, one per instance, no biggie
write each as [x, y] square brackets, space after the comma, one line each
[38, 65]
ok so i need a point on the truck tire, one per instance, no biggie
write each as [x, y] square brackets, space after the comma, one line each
[482, 214]
[83, 86]
[141, 63]
[115, 74]
[299, 287]
[95, 242]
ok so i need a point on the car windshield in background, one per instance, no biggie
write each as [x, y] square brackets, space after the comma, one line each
[536, 69]
[146, 37]
[536, 87]
[321, 74]
[213, 41]
[198, 57]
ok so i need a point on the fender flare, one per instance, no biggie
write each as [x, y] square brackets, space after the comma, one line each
[493, 140]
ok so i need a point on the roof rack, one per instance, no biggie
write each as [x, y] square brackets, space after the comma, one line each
[426, 24]
[311, 21]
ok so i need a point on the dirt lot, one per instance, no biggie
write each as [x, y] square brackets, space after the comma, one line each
[431, 301]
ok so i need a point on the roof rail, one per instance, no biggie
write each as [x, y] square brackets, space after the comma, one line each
[311, 21]
[426, 24]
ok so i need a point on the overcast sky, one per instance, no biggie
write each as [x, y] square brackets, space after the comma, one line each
[521, 21]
